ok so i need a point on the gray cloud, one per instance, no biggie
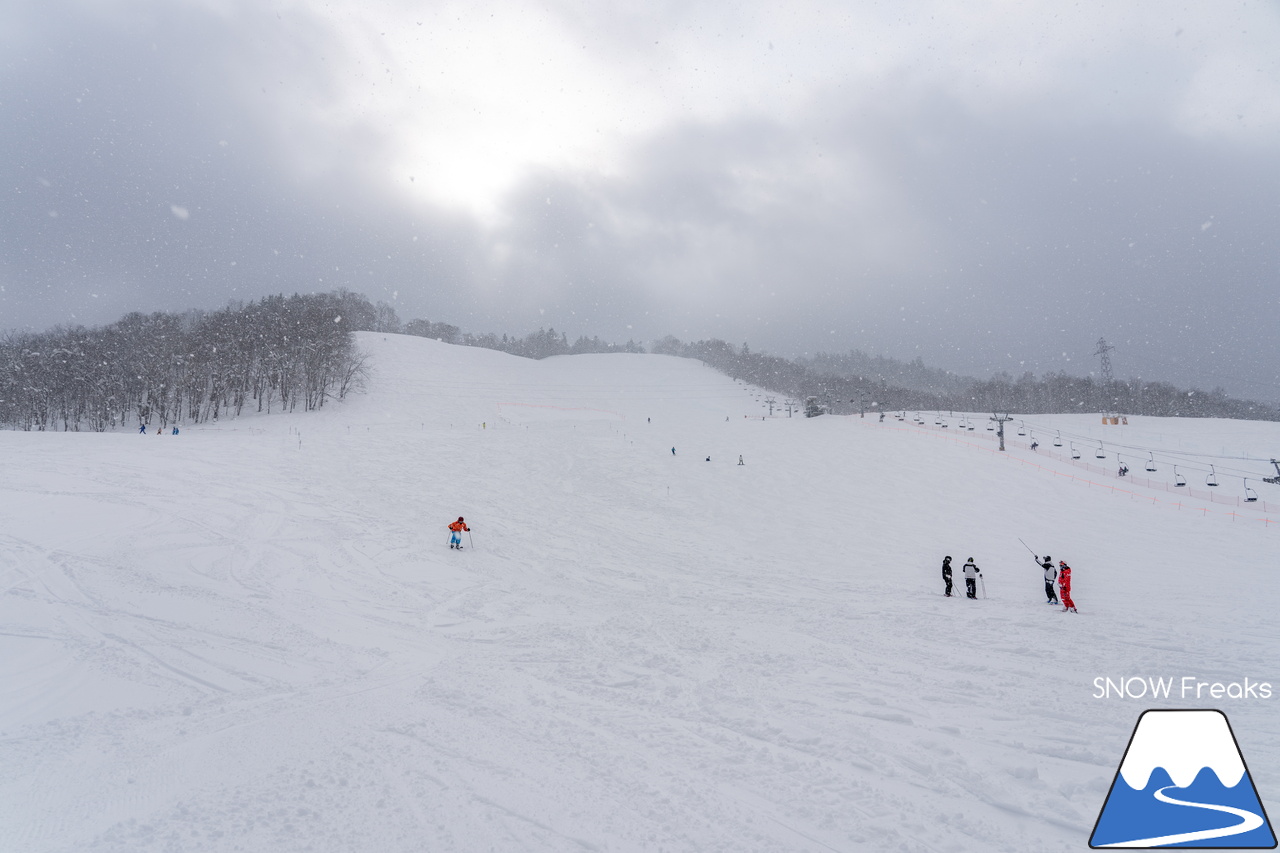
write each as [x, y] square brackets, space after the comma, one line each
[989, 242]
[165, 156]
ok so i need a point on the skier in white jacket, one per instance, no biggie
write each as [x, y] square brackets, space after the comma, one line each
[971, 575]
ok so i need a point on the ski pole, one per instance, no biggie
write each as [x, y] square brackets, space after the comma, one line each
[471, 541]
[1028, 547]
[983, 581]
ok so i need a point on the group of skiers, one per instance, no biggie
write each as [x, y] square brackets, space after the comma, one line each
[1060, 575]
[971, 575]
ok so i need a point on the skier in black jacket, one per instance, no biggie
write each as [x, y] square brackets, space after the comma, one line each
[1050, 575]
[946, 574]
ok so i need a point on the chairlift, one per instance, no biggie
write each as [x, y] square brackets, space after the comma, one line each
[1249, 494]
[1212, 479]
[990, 428]
[970, 426]
[944, 424]
[1057, 441]
[1075, 454]
[1022, 428]
[1099, 454]
[1151, 463]
[1178, 479]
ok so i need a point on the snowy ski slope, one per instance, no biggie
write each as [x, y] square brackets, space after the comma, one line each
[252, 636]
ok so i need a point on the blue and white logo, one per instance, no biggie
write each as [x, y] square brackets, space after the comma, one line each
[1183, 783]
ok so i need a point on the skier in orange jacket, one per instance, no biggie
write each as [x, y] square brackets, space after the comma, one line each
[455, 541]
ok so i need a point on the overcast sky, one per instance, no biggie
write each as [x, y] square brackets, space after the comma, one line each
[987, 185]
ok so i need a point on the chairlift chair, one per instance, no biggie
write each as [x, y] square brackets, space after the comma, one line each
[1151, 463]
[1057, 441]
[1212, 479]
[1022, 428]
[1075, 454]
[1249, 494]
[1100, 454]
[1178, 479]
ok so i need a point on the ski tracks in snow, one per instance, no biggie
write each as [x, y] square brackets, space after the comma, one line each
[249, 641]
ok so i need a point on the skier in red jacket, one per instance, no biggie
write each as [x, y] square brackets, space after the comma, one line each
[1064, 587]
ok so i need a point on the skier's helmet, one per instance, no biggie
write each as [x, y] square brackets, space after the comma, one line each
[971, 559]
[459, 518]
[946, 559]
[1048, 559]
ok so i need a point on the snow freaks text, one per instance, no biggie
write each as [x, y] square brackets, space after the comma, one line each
[1186, 687]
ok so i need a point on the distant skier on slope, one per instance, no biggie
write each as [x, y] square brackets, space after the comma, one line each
[1064, 587]
[971, 575]
[1050, 575]
[455, 541]
[946, 574]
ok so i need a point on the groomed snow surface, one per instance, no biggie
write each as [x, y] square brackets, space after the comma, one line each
[253, 636]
